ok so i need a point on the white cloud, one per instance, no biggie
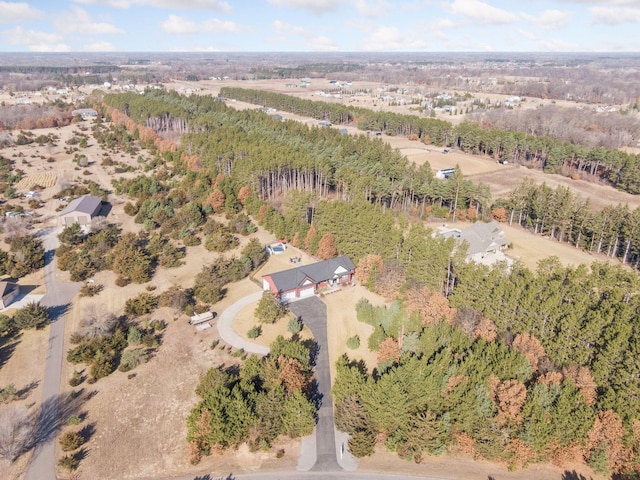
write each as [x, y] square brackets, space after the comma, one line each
[385, 38]
[480, 12]
[108, 3]
[179, 25]
[315, 6]
[605, 2]
[288, 29]
[614, 15]
[49, 47]
[20, 36]
[17, 12]
[184, 26]
[99, 47]
[443, 23]
[35, 41]
[557, 45]
[78, 20]
[528, 34]
[372, 8]
[215, 5]
[322, 44]
[550, 19]
[312, 42]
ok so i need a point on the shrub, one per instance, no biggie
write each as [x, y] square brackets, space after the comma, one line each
[269, 309]
[71, 441]
[8, 394]
[74, 420]
[122, 281]
[149, 340]
[294, 326]
[33, 315]
[102, 365]
[134, 336]
[69, 462]
[90, 289]
[132, 358]
[142, 304]
[76, 379]
[362, 443]
[254, 332]
[353, 342]
[191, 240]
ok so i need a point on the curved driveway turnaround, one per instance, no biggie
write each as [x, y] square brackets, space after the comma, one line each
[229, 335]
[57, 299]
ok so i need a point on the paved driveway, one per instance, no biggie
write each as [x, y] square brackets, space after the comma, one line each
[313, 313]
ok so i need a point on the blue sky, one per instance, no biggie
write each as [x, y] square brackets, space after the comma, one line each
[320, 25]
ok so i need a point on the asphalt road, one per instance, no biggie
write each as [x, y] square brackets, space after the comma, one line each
[313, 313]
[57, 299]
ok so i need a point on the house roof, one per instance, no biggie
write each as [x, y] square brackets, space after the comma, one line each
[484, 237]
[316, 272]
[87, 204]
[7, 287]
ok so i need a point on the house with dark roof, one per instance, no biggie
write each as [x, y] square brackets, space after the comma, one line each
[305, 280]
[8, 292]
[80, 210]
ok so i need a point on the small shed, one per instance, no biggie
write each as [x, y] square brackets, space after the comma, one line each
[8, 293]
[80, 210]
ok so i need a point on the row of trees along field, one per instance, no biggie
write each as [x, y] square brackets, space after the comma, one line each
[546, 360]
[619, 168]
[272, 157]
[566, 217]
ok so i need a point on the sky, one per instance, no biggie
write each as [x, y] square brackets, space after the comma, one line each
[320, 26]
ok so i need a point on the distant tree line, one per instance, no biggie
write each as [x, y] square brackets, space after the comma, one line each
[564, 216]
[619, 168]
[231, 143]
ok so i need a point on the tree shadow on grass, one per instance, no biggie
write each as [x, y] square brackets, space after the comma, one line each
[24, 391]
[52, 415]
[567, 475]
[7, 347]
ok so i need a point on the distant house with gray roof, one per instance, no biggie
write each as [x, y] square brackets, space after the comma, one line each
[485, 242]
[305, 280]
[80, 210]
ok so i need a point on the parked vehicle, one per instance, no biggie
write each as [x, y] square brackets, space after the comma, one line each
[201, 318]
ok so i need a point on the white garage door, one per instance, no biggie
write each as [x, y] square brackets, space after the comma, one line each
[285, 297]
[307, 292]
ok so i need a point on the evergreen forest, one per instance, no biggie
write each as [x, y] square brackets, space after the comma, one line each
[503, 363]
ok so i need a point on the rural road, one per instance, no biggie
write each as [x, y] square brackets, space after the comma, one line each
[57, 299]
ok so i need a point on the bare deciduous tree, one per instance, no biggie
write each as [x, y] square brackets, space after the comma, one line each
[17, 429]
[98, 224]
[97, 321]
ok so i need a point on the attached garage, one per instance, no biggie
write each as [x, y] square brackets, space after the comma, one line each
[307, 292]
